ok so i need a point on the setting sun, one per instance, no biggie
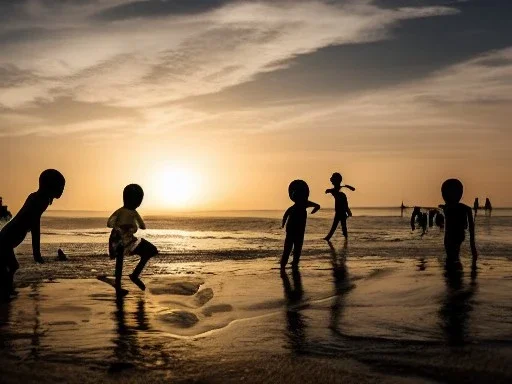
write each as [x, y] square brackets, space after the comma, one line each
[176, 187]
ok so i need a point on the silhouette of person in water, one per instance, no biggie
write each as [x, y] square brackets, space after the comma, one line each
[125, 223]
[488, 206]
[431, 214]
[296, 326]
[342, 284]
[424, 223]
[342, 211]
[28, 219]
[127, 349]
[458, 218]
[295, 219]
[416, 215]
[457, 306]
[476, 205]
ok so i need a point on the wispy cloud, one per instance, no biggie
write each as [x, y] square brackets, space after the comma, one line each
[429, 102]
[133, 55]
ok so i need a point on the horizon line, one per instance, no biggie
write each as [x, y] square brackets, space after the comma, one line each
[238, 210]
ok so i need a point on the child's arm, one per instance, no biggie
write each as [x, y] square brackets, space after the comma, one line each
[315, 206]
[139, 221]
[330, 190]
[345, 203]
[36, 240]
[111, 222]
[285, 217]
[471, 227]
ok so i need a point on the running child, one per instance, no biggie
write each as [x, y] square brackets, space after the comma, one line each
[342, 211]
[124, 223]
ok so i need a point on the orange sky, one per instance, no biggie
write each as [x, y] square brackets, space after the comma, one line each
[221, 105]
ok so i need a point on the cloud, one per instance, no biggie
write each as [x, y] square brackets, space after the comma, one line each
[158, 8]
[430, 102]
[143, 63]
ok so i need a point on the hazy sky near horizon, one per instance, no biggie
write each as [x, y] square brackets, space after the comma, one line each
[219, 104]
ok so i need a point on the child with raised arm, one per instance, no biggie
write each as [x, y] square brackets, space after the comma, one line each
[125, 223]
[28, 219]
[342, 211]
[458, 218]
[295, 219]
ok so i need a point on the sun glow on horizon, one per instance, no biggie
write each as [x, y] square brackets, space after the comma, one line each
[176, 187]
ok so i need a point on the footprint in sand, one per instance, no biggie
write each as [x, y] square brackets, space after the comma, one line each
[203, 296]
[185, 288]
[219, 308]
[180, 319]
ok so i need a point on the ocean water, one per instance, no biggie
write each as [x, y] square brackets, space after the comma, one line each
[245, 235]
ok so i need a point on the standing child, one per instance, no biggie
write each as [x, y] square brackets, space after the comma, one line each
[342, 211]
[295, 219]
[124, 223]
[458, 218]
[28, 219]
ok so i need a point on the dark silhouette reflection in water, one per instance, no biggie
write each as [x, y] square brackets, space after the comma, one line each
[457, 306]
[296, 324]
[342, 284]
[127, 350]
[35, 341]
[5, 319]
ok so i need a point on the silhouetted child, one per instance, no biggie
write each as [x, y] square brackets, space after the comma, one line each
[51, 186]
[295, 219]
[458, 218]
[125, 223]
[415, 217]
[342, 211]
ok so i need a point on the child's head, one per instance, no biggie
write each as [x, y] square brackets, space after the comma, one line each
[452, 191]
[51, 182]
[298, 190]
[132, 196]
[336, 179]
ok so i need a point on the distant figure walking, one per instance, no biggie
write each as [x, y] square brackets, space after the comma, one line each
[402, 209]
[488, 206]
[342, 211]
[458, 218]
[295, 219]
[476, 205]
[51, 186]
[125, 223]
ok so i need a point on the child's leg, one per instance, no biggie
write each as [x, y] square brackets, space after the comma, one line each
[288, 245]
[146, 251]
[344, 227]
[452, 248]
[297, 250]
[119, 269]
[333, 227]
[11, 266]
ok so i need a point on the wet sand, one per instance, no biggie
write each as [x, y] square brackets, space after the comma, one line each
[363, 320]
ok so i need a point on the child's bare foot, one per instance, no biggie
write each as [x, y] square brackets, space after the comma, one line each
[138, 282]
